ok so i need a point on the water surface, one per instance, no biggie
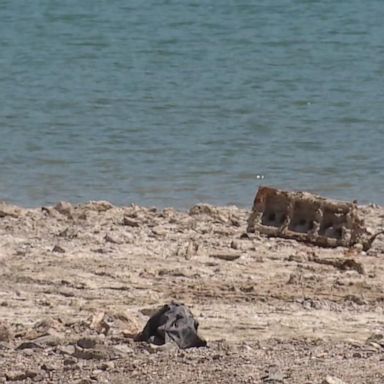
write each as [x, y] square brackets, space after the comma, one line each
[168, 103]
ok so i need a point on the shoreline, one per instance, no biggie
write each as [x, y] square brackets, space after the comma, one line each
[264, 298]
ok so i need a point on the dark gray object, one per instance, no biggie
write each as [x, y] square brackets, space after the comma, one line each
[173, 322]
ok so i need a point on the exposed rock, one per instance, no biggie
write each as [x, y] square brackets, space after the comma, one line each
[9, 210]
[58, 249]
[377, 338]
[125, 324]
[209, 210]
[130, 223]
[191, 250]
[332, 380]
[99, 295]
[99, 323]
[20, 375]
[107, 366]
[274, 376]
[64, 208]
[49, 340]
[87, 342]
[110, 239]
[159, 231]
[5, 332]
[99, 206]
[99, 353]
[66, 349]
[123, 350]
[28, 345]
[48, 367]
[225, 256]
[340, 263]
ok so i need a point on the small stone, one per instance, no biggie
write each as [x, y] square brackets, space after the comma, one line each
[66, 349]
[298, 257]
[70, 361]
[58, 249]
[258, 259]
[332, 380]
[15, 376]
[159, 231]
[130, 223]
[358, 247]
[92, 354]
[99, 206]
[49, 340]
[110, 239]
[99, 323]
[191, 250]
[38, 377]
[376, 346]
[48, 367]
[9, 210]
[64, 208]
[28, 352]
[274, 376]
[84, 381]
[225, 256]
[28, 345]
[19, 375]
[87, 342]
[235, 244]
[5, 332]
[107, 366]
[123, 349]
[377, 338]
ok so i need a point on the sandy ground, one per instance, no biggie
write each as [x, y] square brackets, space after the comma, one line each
[78, 281]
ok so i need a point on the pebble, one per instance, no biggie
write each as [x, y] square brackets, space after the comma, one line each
[225, 256]
[107, 366]
[92, 354]
[49, 340]
[87, 342]
[28, 345]
[95, 374]
[66, 349]
[5, 332]
[332, 380]
[20, 375]
[64, 208]
[130, 223]
[58, 249]
[70, 361]
[48, 367]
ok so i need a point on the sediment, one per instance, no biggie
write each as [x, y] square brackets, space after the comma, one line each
[77, 282]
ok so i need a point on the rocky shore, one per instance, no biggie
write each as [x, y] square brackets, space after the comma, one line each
[77, 282]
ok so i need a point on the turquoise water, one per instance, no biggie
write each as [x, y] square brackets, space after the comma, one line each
[168, 103]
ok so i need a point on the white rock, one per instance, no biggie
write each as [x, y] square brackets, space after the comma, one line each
[332, 380]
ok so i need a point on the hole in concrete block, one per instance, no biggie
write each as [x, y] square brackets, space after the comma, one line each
[303, 217]
[275, 211]
[332, 223]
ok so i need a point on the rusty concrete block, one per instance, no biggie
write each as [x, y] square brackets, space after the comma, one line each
[306, 217]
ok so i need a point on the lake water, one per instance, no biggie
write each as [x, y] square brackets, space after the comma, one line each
[169, 103]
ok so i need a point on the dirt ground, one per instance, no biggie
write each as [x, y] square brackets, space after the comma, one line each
[78, 281]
